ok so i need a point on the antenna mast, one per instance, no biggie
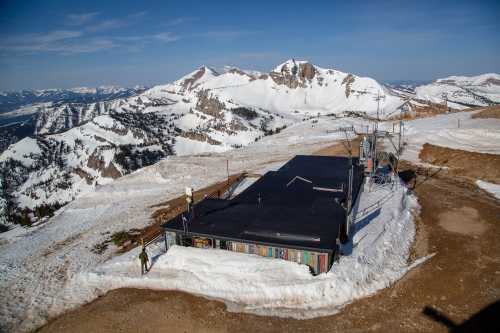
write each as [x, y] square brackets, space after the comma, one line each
[378, 106]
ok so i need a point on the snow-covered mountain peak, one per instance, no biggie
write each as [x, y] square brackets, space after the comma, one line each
[204, 111]
[463, 91]
[478, 80]
[245, 72]
[202, 74]
[289, 65]
[104, 89]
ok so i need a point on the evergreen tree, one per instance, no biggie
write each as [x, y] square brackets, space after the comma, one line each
[3, 204]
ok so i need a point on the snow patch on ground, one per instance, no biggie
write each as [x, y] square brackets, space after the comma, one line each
[376, 258]
[37, 263]
[494, 189]
[22, 151]
[454, 130]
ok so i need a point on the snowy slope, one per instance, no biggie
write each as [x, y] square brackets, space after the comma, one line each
[267, 286]
[204, 111]
[476, 135]
[31, 112]
[36, 263]
[3, 208]
[54, 169]
[494, 189]
[307, 89]
[463, 91]
[9, 100]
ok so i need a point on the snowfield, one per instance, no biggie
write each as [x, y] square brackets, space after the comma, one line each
[51, 268]
[462, 91]
[84, 145]
[494, 189]
[377, 257]
[476, 135]
[37, 264]
[199, 121]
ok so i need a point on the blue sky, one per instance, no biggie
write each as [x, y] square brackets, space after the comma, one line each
[48, 44]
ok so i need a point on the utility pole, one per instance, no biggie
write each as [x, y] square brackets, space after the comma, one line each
[399, 136]
[349, 199]
[348, 147]
[445, 98]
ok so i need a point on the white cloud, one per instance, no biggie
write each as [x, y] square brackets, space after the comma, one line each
[86, 46]
[73, 42]
[80, 19]
[55, 36]
[86, 40]
[178, 21]
[116, 22]
[225, 34]
[166, 37]
[37, 42]
[257, 55]
[107, 24]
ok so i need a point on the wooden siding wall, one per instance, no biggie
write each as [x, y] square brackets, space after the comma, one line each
[318, 261]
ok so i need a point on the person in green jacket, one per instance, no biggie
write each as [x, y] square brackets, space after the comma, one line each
[144, 260]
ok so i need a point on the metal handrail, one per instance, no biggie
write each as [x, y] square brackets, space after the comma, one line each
[367, 210]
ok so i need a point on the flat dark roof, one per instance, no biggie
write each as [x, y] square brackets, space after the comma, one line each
[299, 206]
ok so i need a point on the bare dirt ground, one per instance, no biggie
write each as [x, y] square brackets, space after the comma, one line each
[463, 163]
[489, 112]
[341, 149]
[458, 222]
[428, 109]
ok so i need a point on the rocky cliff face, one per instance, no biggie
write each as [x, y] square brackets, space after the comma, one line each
[294, 74]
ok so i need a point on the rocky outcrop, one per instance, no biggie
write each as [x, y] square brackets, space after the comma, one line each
[294, 75]
[84, 175]
[96, 162]
[240, 72]
[209, 105]
[348, 81]
[492, 81]
[188, 83]
[199, 136]
[111, 171]
[306, 71]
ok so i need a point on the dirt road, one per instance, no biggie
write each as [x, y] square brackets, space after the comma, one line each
[458, 222]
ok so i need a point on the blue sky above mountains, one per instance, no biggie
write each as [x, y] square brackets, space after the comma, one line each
[46, 44]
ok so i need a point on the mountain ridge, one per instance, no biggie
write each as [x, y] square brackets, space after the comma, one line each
[205, 111]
